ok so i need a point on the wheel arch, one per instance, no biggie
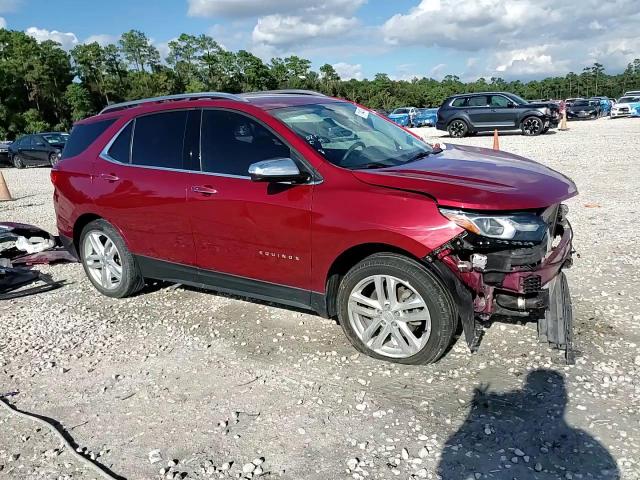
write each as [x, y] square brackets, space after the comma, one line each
[349, 258]
[81, 222]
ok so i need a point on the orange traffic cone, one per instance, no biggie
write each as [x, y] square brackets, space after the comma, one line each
[496, 141]
[4, 190]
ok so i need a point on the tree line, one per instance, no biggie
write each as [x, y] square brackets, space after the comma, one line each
[43, 87]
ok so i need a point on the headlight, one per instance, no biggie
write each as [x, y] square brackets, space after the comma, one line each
[516, 226]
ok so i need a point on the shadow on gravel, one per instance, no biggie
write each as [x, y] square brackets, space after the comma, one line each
[522, 434]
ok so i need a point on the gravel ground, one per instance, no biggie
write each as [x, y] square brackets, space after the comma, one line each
[179, 382]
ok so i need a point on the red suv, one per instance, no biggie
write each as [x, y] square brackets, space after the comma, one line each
[318, 203]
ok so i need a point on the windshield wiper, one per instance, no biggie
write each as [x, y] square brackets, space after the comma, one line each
[371, 165]
[419, 155]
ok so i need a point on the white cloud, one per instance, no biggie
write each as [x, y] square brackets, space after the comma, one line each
[255, 8]
[3, 23]
[102, 39]
[523, 37]
[281, 30]
[347, 71]
[67, 39]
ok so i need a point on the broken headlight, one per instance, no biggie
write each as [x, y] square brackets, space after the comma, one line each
[517, 226]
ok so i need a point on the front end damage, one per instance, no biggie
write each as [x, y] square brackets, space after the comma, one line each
[495, 279]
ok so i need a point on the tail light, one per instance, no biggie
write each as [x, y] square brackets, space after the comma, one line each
[55, 176]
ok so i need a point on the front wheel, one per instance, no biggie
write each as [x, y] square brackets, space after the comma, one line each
[532, 126]
[392, 308]
[458, 129]
[53, 159]
[107, 261]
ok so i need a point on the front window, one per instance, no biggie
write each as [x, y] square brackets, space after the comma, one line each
[581, 103]
[58, 138]
[517, 99]
[352, 137]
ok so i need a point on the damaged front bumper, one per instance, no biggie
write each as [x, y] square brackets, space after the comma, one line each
[508, 280]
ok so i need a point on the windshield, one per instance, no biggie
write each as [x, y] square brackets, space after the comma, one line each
[56, 137]
[352, 137]
[581, 103]
[629, 99]
[400, 110]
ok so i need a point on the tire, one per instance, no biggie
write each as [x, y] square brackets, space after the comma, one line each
[531, 126]
[53, 159]
[130, 280]
[377, 335]
[458, 128]
[18, 162]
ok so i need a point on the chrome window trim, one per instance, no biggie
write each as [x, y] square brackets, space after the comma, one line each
[104, 153]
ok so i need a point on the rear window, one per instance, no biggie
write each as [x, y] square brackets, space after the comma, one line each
[120, 149]
[158, 140]
[83, 135]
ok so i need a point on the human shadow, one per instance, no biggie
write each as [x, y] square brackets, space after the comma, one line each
[522, 434]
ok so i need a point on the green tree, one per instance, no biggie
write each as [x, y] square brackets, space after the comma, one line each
[79, 101]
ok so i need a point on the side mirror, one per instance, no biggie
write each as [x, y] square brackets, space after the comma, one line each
[511, 105]
[277, 170]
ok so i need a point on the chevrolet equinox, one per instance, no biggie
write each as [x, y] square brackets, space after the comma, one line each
[318, 203]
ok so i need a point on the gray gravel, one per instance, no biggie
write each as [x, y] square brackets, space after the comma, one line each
[178, 382]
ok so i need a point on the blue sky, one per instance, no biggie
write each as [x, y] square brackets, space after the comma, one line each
[404, 38]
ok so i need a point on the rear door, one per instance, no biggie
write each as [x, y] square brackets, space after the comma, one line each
[478, 110]
[141, 182]
[253, 230]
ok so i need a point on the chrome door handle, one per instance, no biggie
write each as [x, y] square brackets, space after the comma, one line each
[204, 190]
[109, 178]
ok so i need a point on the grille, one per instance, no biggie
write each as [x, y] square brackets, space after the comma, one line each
[532, 284]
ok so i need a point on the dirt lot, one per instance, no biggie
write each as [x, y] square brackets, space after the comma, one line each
[215, 382]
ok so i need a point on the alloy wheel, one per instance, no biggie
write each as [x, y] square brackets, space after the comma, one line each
[53, 159]
[389, 316]
[457, 129]
[532, 126]
[103, 259]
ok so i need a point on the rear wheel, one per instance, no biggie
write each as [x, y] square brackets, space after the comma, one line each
[532, 126]
[392, 308]
[18, 162]
[107, 262]
[458, 129]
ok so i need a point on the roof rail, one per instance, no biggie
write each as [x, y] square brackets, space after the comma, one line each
[286, 91]
[168, 98]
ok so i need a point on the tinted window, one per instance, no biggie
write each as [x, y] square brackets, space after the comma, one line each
[83, 135]
[499, 101]
[121, 148]
[480, 101]
[158, 140]
[459, 102]
[231, 142]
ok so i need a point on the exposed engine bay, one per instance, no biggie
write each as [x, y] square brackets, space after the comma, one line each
[513, 279]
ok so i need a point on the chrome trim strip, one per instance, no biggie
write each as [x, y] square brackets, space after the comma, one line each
[165, 98]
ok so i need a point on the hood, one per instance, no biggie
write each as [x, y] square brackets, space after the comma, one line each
[549, 105]
[477, 179]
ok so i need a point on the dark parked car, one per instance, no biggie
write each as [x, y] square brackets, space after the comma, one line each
[317, 203]
[37, 149]
[4, 150]
[584, 109]
[470, 113]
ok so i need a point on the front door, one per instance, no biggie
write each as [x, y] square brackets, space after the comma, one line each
[502, 115]
[254, 231]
